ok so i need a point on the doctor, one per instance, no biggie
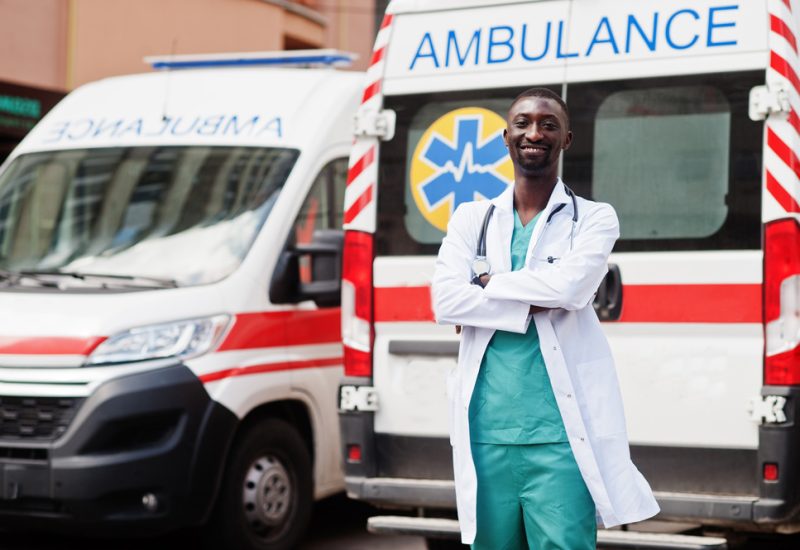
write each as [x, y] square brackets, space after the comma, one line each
[540, 450]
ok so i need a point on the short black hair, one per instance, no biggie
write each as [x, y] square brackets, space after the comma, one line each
[545, 93]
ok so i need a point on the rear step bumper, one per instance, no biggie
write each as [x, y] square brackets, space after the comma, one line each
[425, 493]
[448, 529]
[422, 493]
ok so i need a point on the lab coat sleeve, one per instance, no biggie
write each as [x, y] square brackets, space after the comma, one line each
[572, 282]
[456, 301]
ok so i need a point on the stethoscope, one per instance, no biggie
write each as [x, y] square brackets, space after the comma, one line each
[481, 266]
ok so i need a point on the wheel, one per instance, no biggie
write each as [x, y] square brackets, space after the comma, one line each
[266, 495]
[444, 544]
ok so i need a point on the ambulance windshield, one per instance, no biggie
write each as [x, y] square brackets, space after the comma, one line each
[185, 214]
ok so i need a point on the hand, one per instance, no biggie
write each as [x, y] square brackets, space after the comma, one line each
[538, 309]
[485, 279]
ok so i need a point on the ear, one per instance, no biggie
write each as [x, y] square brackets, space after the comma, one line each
[567, 141]
[505, 137]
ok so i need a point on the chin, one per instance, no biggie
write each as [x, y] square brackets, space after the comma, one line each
[535, 169]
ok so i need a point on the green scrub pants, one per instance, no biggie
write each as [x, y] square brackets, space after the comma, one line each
[532, 497]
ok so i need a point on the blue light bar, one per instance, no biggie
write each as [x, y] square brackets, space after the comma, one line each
[296, 58]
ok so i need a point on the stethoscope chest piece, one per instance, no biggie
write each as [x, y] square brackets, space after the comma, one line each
[481, 266]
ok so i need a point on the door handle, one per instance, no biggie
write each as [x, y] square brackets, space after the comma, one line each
[608, 300]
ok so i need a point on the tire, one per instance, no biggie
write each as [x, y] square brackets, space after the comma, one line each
[267, 491]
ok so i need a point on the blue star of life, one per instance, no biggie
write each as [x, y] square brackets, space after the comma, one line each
[466, 170]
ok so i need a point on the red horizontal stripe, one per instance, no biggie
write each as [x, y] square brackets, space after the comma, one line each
[722, 303]
[358, 167]
[283, 328]
[387, 20]
[701, 303]
[783, 151]
[403, 304]
[778, 26]
[22, 345]
[356, 208]
[783, 67]
[371, 91]
[377, 55]
[781, 195]
[270, 367]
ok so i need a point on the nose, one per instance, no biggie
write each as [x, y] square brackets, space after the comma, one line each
[534, 132]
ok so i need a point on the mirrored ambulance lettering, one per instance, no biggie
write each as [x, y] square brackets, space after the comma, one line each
[214, 125]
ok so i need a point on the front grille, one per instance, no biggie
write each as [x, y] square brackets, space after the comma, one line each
[36, 418]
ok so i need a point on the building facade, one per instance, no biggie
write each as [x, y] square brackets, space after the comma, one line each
[52, 46]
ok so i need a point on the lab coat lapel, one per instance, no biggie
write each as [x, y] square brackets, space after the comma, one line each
[558, 196]
[501, 227]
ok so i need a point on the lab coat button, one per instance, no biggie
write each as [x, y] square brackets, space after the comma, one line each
[569, 396]
[555, 348]
[581, 439]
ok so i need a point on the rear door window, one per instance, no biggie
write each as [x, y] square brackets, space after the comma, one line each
[678, 158]
[448, 149]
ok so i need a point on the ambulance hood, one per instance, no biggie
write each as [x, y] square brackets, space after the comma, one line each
[55, 323]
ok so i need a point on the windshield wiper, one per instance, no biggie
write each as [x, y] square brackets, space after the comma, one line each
[127, 280]
[13, 278]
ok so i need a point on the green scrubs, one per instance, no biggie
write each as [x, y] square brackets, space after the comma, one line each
[530, 491]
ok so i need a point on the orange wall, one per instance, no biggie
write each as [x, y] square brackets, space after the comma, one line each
[64, 43]
[351, 27]
[110, 37]
[33, 39]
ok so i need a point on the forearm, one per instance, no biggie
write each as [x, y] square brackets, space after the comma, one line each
[468, 305]
[531, 310]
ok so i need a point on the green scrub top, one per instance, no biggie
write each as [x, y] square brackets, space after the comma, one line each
[513, 401]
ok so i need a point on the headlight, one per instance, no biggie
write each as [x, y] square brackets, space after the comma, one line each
[183, 339]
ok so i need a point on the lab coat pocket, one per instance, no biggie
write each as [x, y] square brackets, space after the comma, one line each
[602, 402]
[450, 385]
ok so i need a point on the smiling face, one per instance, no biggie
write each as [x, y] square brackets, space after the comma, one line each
[537, 133]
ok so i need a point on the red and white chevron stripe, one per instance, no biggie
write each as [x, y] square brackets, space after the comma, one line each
[781, 162]
[360, 195]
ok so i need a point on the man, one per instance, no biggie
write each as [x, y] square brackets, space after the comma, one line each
[540, 451]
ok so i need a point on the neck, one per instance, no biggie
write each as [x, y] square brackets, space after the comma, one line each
[531, 194]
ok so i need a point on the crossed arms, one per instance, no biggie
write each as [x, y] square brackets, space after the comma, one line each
[508, 298]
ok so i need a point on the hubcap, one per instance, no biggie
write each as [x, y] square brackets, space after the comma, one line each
[267, 494]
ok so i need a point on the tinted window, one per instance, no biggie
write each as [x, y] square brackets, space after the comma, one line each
[447, 149]
[323, 208]
[678, 158]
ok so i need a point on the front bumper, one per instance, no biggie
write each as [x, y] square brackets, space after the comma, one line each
[144, 450]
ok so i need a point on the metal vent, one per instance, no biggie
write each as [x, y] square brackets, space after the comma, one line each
[36, 418]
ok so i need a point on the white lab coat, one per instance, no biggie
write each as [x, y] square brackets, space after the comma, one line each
[574, 348]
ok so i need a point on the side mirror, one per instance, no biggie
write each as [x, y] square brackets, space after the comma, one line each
[324, 260]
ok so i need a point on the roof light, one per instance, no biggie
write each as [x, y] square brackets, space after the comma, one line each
[292, 58]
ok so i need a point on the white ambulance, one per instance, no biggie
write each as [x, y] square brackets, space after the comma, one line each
[170, 345]
[685, 119]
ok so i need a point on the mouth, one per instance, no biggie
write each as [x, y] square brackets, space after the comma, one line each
[534, 149]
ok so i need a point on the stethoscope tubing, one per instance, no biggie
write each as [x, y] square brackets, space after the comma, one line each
[480, 252]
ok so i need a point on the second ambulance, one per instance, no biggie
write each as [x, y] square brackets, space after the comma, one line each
[169, 325]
